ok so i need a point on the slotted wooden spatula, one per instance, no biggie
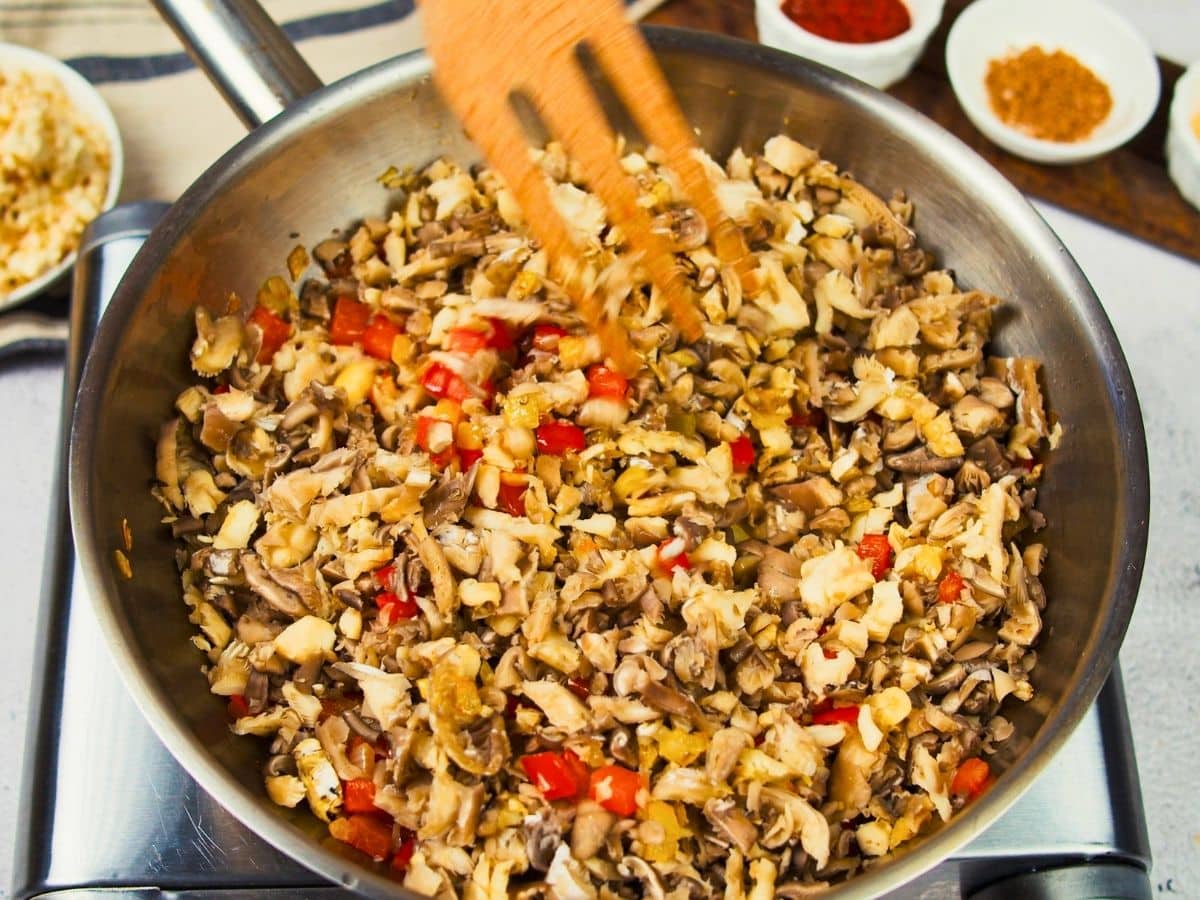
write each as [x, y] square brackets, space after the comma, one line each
[486, 50]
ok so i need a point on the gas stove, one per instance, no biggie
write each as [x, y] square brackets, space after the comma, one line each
[107, 812]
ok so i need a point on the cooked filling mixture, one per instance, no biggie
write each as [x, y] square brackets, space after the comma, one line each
[515, 625]
[54, 167]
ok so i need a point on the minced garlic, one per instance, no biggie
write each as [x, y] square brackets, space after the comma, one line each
[54, 170]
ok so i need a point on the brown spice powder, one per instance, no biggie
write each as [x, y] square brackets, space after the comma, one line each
[1051, 96]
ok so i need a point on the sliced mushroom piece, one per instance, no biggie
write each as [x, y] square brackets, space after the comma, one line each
[1021, 375]
[359, 726]
[987, 455]
[900, 436]
[444, 503]
[779, 576]
[217, 342]
[946, 680]
[831, 522]
[975, 417]
[432, 557]
[685, 226]
[590, 829]
[623, 746]
[875, 212]
[731, 823]
[466, 820]
[217, 429]
[249, 451]
[277, 596]
[638, 868]
[543, 836]
[675, 703]
[301, 581]
[811, 497]
[724, 748]
[562, 708]
[921, 462]
[852, 769]
[995, 392]
[971, 478]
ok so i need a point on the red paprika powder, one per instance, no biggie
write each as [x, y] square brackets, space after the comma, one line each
[850, 21]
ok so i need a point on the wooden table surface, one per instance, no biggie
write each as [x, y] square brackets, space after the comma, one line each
[1128, 189]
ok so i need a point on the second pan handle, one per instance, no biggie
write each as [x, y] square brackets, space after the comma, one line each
[245, 54]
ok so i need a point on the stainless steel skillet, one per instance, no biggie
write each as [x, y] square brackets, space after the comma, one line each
[312, 168]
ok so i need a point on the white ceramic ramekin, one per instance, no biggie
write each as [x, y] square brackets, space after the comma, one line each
[88, 101]
[880, 64]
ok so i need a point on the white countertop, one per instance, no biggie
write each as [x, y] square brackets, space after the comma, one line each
[1153, 299]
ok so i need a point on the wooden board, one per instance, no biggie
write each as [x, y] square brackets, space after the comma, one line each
[1128, 190]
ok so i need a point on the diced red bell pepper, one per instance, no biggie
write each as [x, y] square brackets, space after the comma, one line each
[545, 337]
[875, 549]
[370, 834]
[580, 687]
[556, 438]
[239, 707]
[393, 609]
[404, 852]
[950, 588]
[607, 384]
[829, 653]
[441, 381]
[221, 389]
[972, 778]
[442, 457]
[559, 776]
[501, 339]
[384, 576]
[469, 341]
[468, 458]
[275, 332]
[676, 560]
[743, 453]
[379, 337]
[846, 715]
[511, 498]
[358, 796]
[616, 789]
[812, 418]
[349, 321]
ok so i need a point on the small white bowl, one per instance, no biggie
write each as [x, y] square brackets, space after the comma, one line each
[1086, 29]
[91, 104]
[1183, 144]
[881, 64]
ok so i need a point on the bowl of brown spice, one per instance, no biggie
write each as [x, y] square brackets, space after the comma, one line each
[1054, 82]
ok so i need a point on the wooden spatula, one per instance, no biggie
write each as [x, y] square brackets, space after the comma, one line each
[486, 50]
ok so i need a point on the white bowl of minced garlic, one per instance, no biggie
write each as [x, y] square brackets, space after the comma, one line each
[60, 167]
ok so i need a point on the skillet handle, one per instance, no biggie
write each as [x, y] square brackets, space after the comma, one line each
[244, 53]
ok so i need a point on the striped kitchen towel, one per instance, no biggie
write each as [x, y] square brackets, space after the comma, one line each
[173, 123]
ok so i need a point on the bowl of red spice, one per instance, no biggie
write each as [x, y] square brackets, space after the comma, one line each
[876, 41]
[1054, 82]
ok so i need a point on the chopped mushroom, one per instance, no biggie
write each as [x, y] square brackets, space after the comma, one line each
[525, 626]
